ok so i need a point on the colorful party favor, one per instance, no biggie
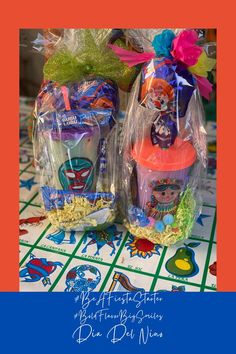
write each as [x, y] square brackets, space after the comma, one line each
[75, 151]
[75, 141]
[164, 147]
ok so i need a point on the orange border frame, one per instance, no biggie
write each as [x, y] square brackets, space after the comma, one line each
[43, 14]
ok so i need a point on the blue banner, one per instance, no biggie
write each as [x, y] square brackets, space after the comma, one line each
[115, 322]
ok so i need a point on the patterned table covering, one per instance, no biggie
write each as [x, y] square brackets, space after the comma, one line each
[110, 260]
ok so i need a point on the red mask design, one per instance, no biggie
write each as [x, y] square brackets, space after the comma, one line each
[77, 179]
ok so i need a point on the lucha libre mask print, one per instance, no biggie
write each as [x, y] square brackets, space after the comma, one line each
[77, 174]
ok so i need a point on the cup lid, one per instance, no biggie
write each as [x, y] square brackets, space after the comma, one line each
[179, 156]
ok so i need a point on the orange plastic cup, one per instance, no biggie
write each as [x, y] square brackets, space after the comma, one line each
[162, 174]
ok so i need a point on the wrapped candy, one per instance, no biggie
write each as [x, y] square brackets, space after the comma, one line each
[164, 147]
[75, 140]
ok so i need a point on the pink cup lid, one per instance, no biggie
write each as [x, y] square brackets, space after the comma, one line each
[178, 157]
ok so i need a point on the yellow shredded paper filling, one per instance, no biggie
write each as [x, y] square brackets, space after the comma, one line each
[184, 219]
[76, 213]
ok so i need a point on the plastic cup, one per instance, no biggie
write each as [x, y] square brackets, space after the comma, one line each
[73, 156]
[162, 175]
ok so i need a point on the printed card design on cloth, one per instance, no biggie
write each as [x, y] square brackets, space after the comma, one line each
[31, 169]
[164, 285]
[185, 262]
[124, 280]
[28, 186]
[102, 245]
[39, 271]
[32, 223]
[21, 206]
[81, 275]
[37, 200]
[204, 223]
[212, 269]
[140, 255]
[60, 241]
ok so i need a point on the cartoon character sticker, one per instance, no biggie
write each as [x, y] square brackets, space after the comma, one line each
[82, 278]
[158, 95]
[164, 198]
[77, 174]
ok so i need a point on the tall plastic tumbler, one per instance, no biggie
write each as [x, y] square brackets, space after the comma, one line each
[74, 155]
